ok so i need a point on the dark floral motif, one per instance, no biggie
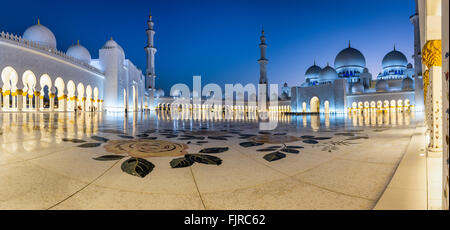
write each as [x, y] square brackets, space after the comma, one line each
[181, 162]
[125, 136]
[250, 144]
[274, 156]
[310, 141]
[137, 167]
[288, 150]
[214, 150]
[101, 139]
[73, 140]
[108, 158]
[89, 145]
[204, 159]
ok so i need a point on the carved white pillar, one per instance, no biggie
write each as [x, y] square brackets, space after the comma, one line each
[62, 103]
[37, 99]
[14, 100]
[52, 101]
[41, 101]
[19, 100]
[431, 57]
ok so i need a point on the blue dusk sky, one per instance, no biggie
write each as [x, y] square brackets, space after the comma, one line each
[218, 39]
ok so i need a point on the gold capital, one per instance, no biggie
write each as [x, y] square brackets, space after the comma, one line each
[432, 53]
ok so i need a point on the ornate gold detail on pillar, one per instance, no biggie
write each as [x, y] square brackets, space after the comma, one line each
[432, 53]
[426, 81]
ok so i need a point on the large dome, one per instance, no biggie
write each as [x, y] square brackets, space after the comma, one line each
[394, 59]
[110, 44]
[381, 86]
[328, 74]
[40, 34]
[313, 72]
[79, 52]
[349, 57]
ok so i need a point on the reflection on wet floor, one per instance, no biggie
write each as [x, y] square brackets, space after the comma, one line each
[198, 153]
[82, 123]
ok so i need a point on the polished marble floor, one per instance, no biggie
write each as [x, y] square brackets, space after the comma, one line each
[159, 160]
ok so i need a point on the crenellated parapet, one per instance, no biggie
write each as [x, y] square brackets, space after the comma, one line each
[18, 40]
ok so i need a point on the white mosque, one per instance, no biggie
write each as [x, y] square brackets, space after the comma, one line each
[37, 76]
[349, 85]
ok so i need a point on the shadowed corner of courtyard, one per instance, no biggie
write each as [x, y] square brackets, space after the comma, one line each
[82, 160]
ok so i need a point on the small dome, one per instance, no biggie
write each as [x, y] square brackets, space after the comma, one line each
[285, 85]
[381, 86]
[313, 72]
[328, 74]
[111, 44]
[159, 93]
[409, 66]
[79, 52]
[40, 34]
[394, 59]
[358, 88]
[366, 70]
[349, 57]
[407, 84]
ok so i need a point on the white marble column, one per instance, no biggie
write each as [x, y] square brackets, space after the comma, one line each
[52, 101]
[20, 104]
[62, 103]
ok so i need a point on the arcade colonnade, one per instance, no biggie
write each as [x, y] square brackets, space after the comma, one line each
[167, 106]
[434, 39]
[379, 105]
[45, 93]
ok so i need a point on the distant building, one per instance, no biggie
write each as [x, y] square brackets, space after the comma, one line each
[349, 85]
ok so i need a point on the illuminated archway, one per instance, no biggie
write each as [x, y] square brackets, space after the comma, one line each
[9, 79]
[60, 86]
[314, 105]
[46, 85]
[80, 97]
[29, 84]
[96, 93]
[326, 105]
[71, 95]
[89, 98]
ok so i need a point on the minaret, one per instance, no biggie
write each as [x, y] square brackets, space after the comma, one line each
[418, 85]
[150, 50]
[263, 62]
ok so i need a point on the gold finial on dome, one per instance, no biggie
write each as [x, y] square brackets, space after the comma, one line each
[149, 14]
[39, 22]
[111, 38]
[78, 42]
[348, 43]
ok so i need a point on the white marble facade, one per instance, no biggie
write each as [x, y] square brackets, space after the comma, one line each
[36, 75]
